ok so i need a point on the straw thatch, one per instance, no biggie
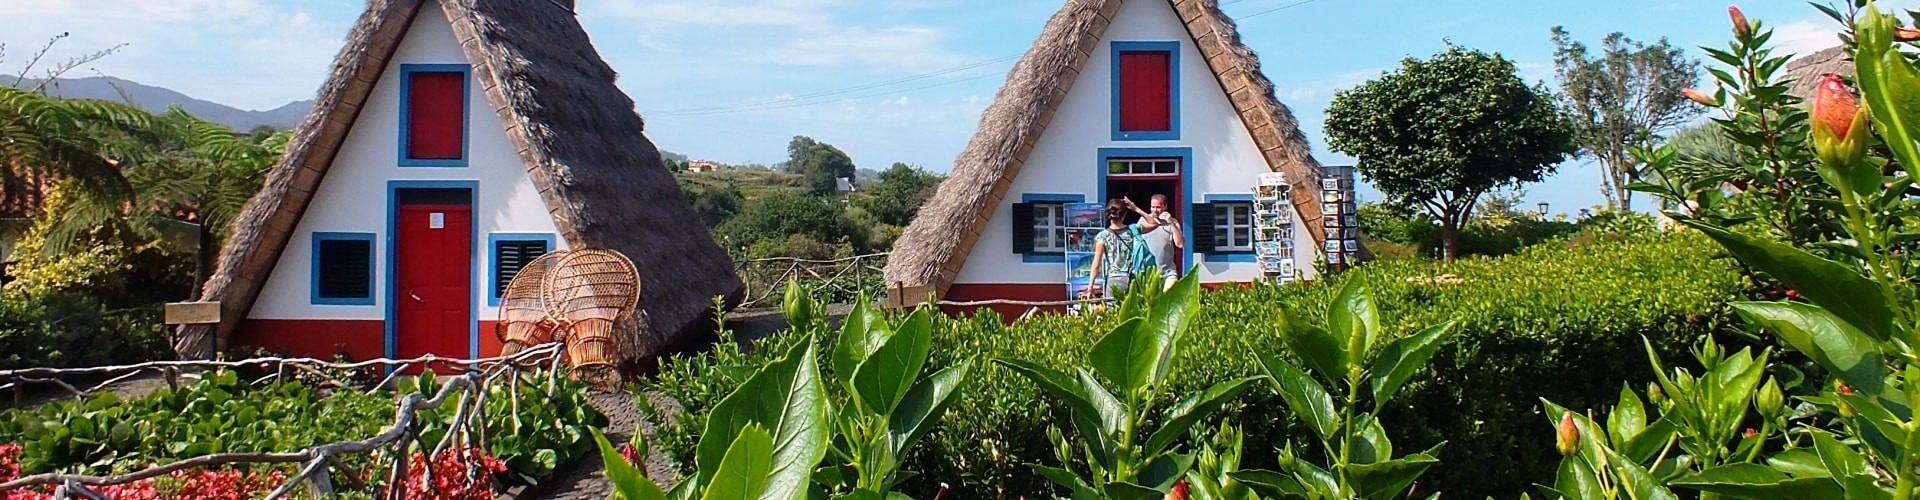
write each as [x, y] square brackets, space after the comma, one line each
[576, 132]
[935, 245]
[1806, 69]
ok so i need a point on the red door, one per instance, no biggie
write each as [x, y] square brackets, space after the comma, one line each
[433, 285]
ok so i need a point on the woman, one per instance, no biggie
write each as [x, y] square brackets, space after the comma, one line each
[1119, 247]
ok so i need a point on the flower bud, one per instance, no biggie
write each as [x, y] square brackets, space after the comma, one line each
[1567, 439]
[1769, 401]
[1699, 97]
[1750, 433]
[1845, 390]
[1655, 394]
[798, 305]
[1179, 491]
[1839, 123]
[1741, 28]
[1906, 35]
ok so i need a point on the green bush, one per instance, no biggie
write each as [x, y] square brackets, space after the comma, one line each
[1551, 321]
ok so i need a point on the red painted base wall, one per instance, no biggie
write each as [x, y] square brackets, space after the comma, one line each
[322, 338]
[1030, 292]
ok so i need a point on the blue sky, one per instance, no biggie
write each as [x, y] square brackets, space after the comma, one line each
[886, 81]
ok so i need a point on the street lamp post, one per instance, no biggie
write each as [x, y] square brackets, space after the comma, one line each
[1543, 209]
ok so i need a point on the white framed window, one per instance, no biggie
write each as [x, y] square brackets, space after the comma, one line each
[1049, 227]
[1142, 166]
[1232, 227]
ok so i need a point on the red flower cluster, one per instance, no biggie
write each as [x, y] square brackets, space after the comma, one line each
[196, 484]
[456, 475]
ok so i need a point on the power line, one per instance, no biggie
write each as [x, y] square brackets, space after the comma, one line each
[810, 99]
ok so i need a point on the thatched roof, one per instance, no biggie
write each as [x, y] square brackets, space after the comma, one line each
[928, 253]
[1807, 68]
[576, 132]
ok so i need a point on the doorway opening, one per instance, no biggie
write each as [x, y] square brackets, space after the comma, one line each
[1139, 179]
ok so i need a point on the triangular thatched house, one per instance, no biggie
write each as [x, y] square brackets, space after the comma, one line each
[1115, 98]
[454, 141]
[1807, 68]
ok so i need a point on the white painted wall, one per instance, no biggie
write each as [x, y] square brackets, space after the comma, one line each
[1066, 158]
[353, 196]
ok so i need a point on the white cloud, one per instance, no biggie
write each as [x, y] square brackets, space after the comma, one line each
[902, 47]
[1324, 88]
[721, 13]
[1806, 36]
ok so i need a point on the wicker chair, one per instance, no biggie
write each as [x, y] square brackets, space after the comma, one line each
[589, 292]
[524, 317]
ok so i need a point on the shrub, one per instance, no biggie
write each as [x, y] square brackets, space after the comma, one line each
[1551, 321]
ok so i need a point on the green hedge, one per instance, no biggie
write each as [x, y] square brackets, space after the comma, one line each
[1555, 322]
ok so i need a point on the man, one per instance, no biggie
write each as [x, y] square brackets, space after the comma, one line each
[1166, 241]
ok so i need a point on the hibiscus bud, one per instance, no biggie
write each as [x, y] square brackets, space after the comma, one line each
[1655, 394]
[1568, 437]
[1839, 123]
[1906, 35]
[798, 305]
[1750, 433]
[1699, 97]
[1846, 390]
[1179, 491]
[1770, 400]
[1741, 27]
[1793, 294]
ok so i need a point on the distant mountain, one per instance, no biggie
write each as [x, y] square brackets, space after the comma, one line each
[157, 99]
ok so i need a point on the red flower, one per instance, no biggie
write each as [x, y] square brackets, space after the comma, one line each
[1846, 390]
[1750, 433]
[630, 453]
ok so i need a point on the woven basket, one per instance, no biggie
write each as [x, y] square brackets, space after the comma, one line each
[524, 319]
[588, 292]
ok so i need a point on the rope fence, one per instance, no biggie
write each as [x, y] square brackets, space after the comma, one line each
[766, 280]
[468, 392]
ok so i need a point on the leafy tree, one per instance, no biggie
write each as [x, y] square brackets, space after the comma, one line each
[777, 216]
[1439, 133]
[1622, 99]
[897, 197]
[714, 204]
[190, 183]
[819, 161]
[50, 139]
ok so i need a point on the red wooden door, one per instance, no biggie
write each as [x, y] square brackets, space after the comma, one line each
[433, 282]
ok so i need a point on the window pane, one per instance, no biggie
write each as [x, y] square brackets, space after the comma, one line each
[1163, 167]
[1116, 167]
[436, 109]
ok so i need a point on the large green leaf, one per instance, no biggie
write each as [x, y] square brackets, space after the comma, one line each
[924, 405]
[1192, 410]
[1628, 417]
[1162, 471]
[785, 397]
[745, 470]
[1639, 482]
[1404, 357]
[860, 334]
[1314, 346]
[1065, 478]
[1120, 490]
[1576, 479]
[1387, 479]
[1306, 397]
[1834, 344]
[1870, 409]
[884, 377]
[1649, 442]
[1888, 83]
[1269, 483]
[1095, 421]
[1834, 286]
[1128, 356]
[1352, 320]
[629, 482]
[1799, 463]
[1173, 311]
[1373, 445]
[1758, 481]
[1846, 466]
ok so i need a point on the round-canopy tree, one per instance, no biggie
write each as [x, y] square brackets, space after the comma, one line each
[1437, 134]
